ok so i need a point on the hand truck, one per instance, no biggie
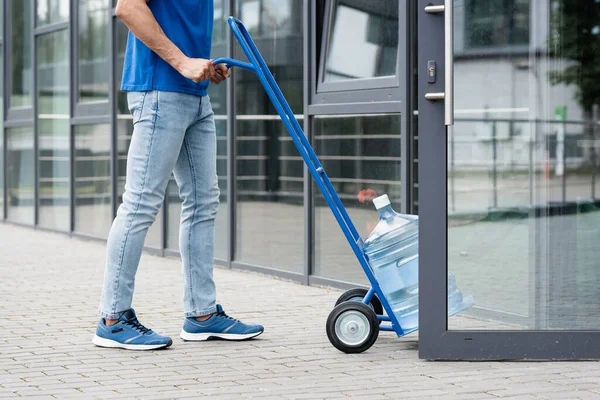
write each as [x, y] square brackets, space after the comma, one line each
[354, 324]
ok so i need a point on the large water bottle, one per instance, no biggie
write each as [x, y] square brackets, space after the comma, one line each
[393, 252]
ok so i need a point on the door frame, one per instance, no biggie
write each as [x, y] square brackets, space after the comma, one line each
[436, 342]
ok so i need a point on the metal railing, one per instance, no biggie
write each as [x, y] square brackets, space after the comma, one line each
[514, 163]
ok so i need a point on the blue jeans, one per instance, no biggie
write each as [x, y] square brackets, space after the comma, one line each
[173, 132]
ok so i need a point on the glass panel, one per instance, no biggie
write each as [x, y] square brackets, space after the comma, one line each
[20, 163]
[363, 42]
[124, 132]
[21, 36]
[496, 23]
[93, 65]
[218, 99]
[93, 209]
[361, 155]
[53, 130]
[523, 215]
[52, 11]
[269, 179]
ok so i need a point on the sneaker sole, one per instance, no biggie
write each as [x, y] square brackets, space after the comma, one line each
[198, 337]
[102, 342]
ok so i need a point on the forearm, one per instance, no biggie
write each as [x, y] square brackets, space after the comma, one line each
[138, 17]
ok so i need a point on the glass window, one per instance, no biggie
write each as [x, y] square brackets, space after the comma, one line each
[523, 215]
[93, 65]
[93, 208]
[52, 11]
[363, 41]
[124, 132]
[53, 130]
[496, 22]
[21, 36]
[20, 164]
[361, 155]
[269, 179]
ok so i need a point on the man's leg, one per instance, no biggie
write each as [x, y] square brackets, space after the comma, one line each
[160, 122]
[196, 174]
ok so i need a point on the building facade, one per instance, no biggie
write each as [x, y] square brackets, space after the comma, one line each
[348, 69]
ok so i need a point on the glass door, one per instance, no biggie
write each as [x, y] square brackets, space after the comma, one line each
[509, 96]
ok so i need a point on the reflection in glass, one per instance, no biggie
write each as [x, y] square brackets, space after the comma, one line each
[93, 50]
[523, 215]
[52, 11]
[53, 130]
[21, 78]
[93, 209]
[361, 155]
[363, 42]
[497, 22]
[20, 164]
[269, 179]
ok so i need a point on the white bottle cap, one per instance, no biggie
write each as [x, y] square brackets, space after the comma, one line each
[381, 201]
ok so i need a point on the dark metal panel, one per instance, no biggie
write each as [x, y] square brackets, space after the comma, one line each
[72, 81]
[90, 109]
[359, 96]
[511, 345]
[42, 30]
[18, 123]
[333, 283]
[293, 276]
[404, 76]
[18, 114]
[34, 103]
[90, 120]
[432, 189]
[113, 112]
[357, 108]
[222, 263]
[4, 78]
[308, 204]
[231, 217]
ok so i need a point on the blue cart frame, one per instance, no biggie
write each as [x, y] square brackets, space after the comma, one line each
[259, 67]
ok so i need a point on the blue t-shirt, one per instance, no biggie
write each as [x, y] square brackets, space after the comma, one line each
[188, 24]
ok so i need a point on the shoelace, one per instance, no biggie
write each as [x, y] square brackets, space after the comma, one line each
[222, 314]
[135, 324]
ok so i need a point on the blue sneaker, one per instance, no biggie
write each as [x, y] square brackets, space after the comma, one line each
[218, 326]
[129, 334]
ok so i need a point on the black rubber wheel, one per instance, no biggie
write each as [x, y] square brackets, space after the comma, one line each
[352, 327]
[358, 294]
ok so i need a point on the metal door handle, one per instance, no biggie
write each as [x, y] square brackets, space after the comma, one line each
[448, 95]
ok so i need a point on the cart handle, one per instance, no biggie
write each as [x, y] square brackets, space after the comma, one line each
[230, 62]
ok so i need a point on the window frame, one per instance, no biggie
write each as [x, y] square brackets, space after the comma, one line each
[321, 88]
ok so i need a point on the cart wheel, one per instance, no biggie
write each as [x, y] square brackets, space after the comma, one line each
[358, 294]
[352, 327]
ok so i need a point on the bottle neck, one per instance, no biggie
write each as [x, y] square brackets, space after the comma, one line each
[386, 212]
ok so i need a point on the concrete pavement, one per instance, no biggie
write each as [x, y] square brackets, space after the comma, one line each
[49, 292]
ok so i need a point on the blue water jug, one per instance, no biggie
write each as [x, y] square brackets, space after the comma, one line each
[393, 252]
